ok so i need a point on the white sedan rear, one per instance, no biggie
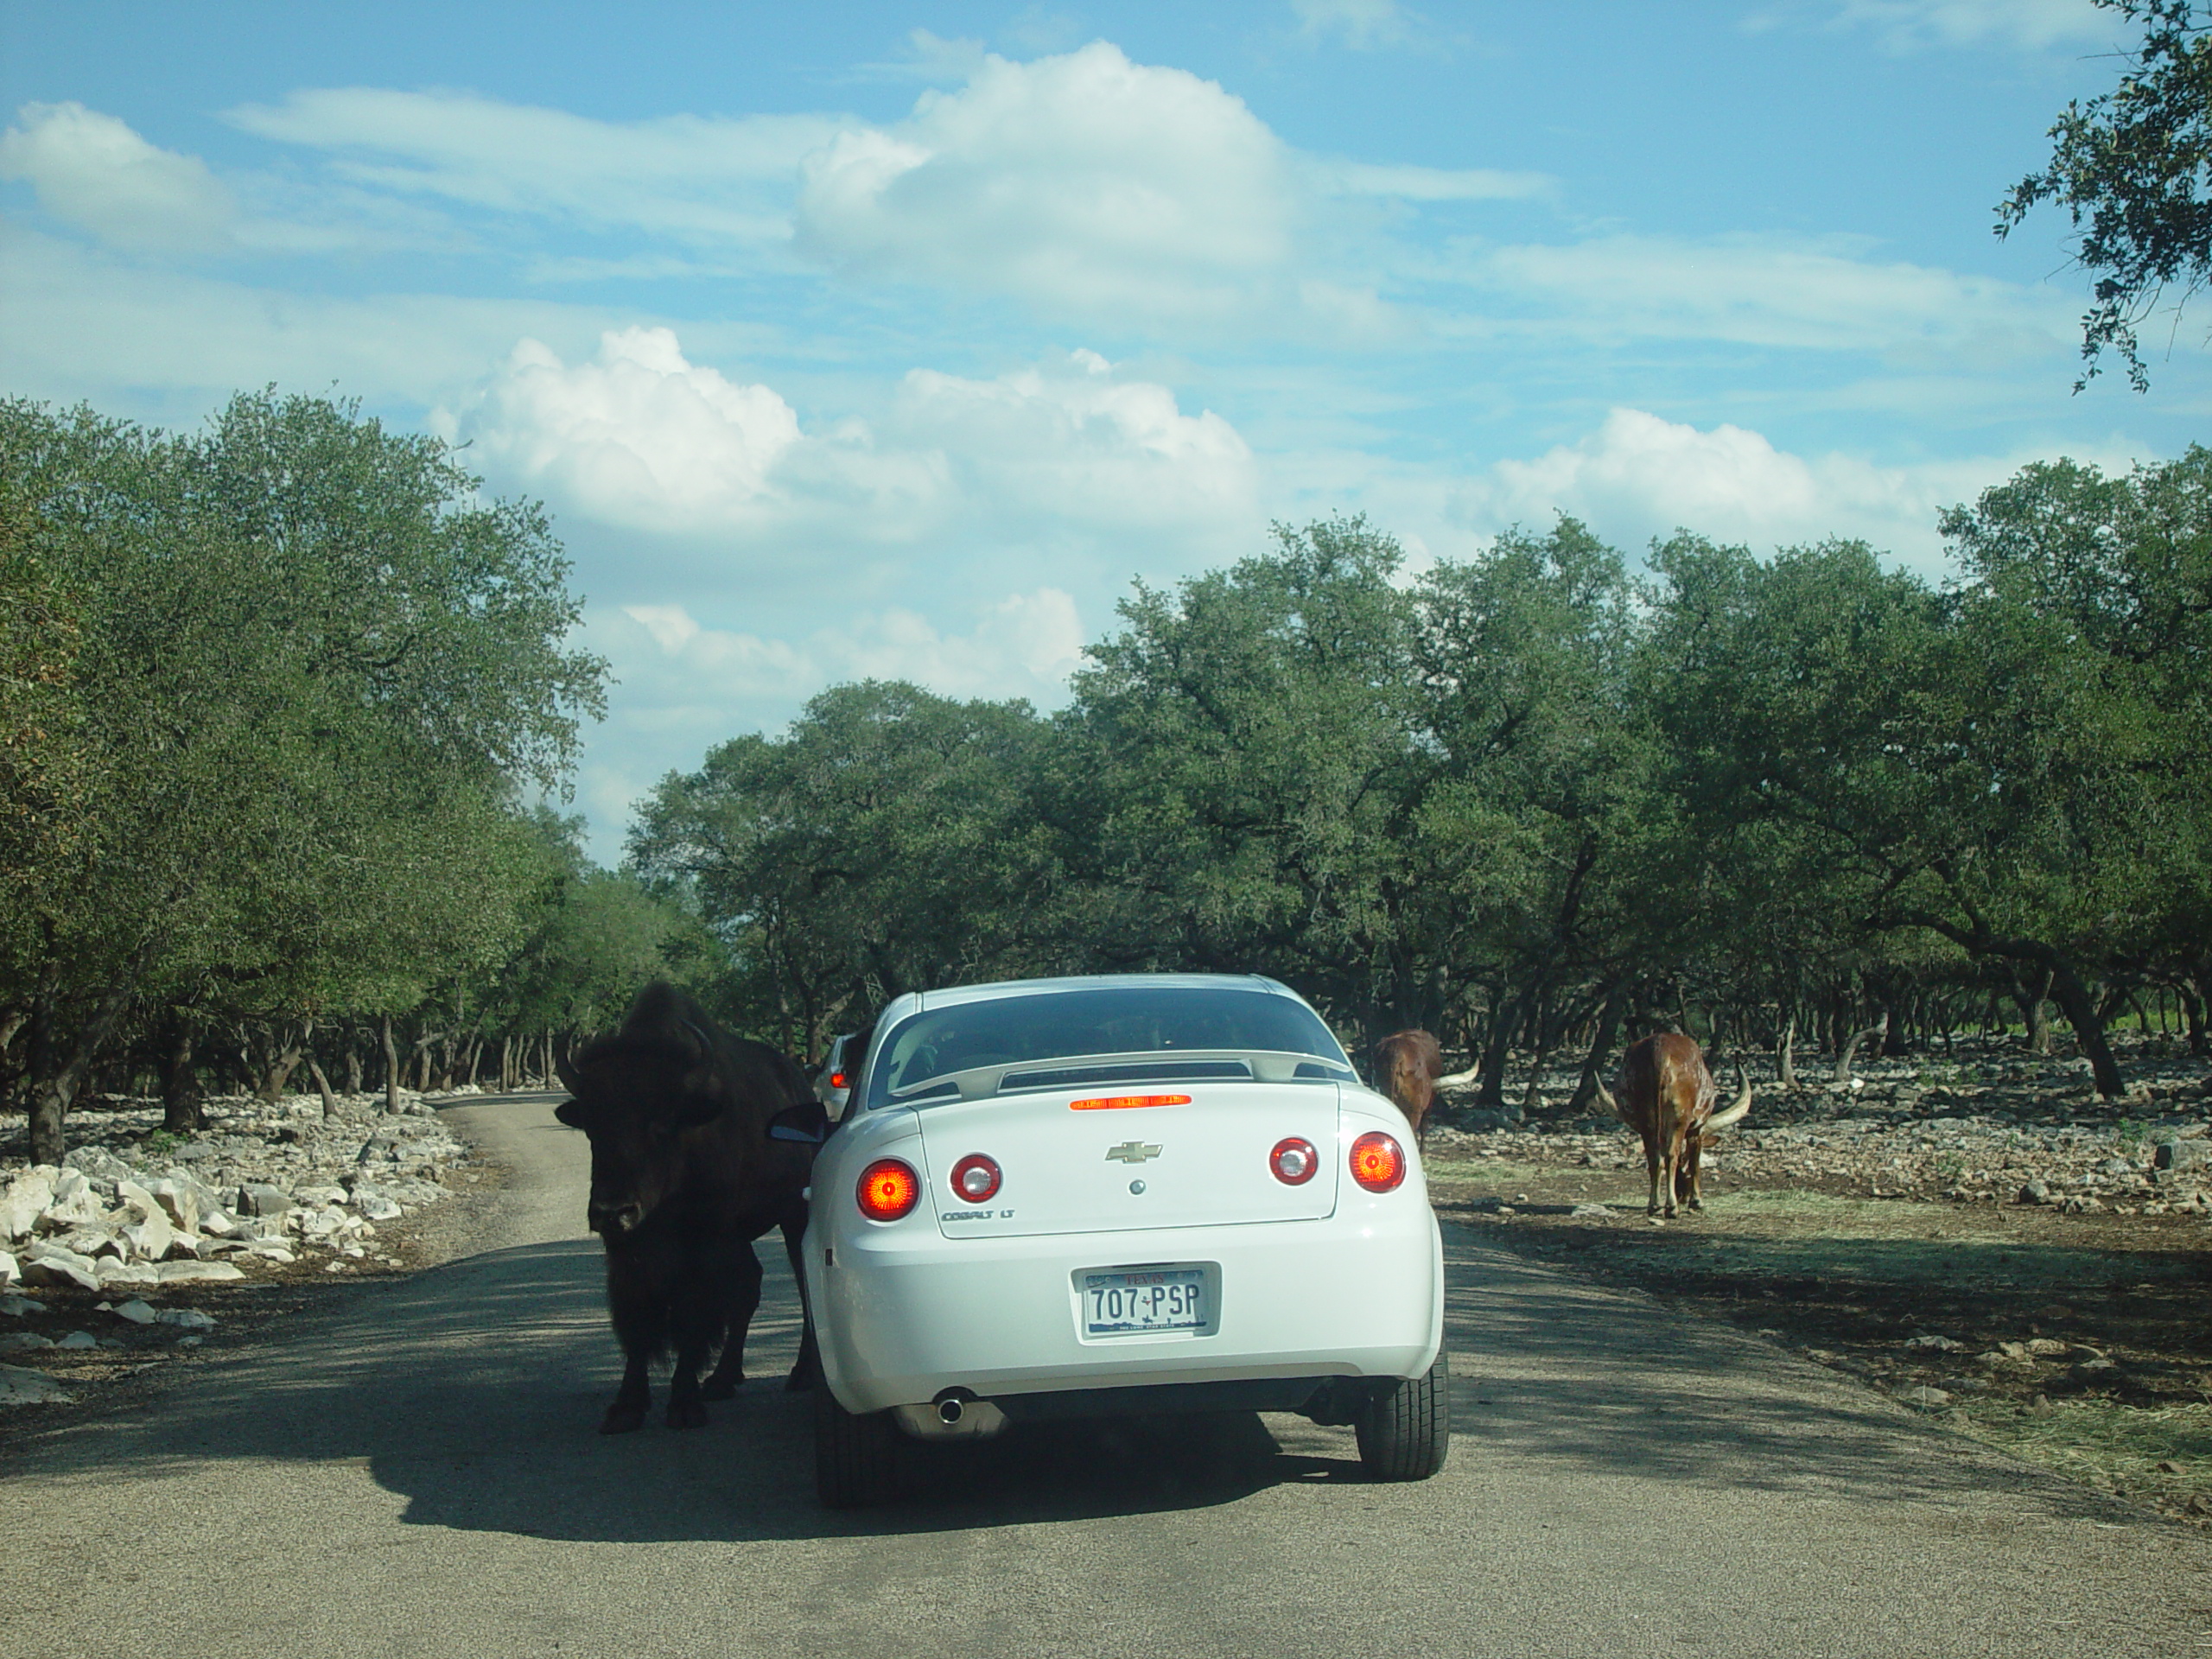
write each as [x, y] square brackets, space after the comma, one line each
[1122, 1194]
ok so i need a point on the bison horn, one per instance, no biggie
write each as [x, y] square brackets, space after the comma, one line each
[1737, 1113]
[1606, 1095]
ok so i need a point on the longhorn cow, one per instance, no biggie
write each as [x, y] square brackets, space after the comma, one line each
[1666, 1094]
[1406, 1065]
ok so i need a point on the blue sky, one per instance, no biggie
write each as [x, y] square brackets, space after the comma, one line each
[895, 339]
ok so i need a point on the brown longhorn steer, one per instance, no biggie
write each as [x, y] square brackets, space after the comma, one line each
[1406, 1065]
[700, 1142]
[1667, 1096]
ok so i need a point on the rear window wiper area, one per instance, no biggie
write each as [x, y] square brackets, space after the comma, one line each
[1147, 1065]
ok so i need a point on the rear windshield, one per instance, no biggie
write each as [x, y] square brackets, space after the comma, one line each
[1117, 1019]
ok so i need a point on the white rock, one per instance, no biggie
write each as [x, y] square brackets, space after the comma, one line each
[180, 1199]
[187, 1319]
[15, 1307]
[114, 1270]
[376, 1207]
[20, 1386]
[180, 1273]
[149, 1234]
[75, 1204]
[51, 1264]
[1938, 1345]
[137, 1312]
[269, 1250]
[9, 1272]
[216, 1224]
[27, 1196]
[23, 1342]
[318, 1197]
[79, 1339]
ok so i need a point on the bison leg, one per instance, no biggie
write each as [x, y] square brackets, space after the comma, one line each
[1652, 1169]
[628, 1411]
[741, 1276]
[1688, 1184]
[806, 1372]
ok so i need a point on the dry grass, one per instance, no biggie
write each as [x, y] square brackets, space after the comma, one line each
[2160, 1455]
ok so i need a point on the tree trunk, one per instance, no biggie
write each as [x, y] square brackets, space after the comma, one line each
[2081, 1010]
[2192, 1014]
[183, 1105]
[283, 1064]
[507, 1063]
[1785, 1053]
[1879, 1030]
[2034, 1005]
[1490, 1091]
[390, 1064]
[1602, 1036]
[52, 1096]
[353, 1062]
[322, 1083]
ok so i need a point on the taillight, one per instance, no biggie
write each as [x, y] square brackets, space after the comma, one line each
[1294, 1161]
[836, 1079]
[888, 1190]
[1124, 1102]
[975, 1178]
[1378, 1163]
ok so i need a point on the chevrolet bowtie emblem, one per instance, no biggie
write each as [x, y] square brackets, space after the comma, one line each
[1132, 1152]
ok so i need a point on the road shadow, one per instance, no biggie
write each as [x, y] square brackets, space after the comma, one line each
[472, 1392]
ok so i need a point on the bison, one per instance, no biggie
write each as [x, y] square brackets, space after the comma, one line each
[700, 1143]
[1667, 1096]
[1406, 1065]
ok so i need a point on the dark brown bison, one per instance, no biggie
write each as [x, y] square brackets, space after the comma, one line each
[1667, 1096]
[1406, 1065]
[700, 1143]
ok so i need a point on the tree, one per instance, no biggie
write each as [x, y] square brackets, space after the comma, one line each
[314, 666]
[2133, 170]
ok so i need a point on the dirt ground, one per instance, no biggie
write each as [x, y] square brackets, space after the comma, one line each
[1978, 1235]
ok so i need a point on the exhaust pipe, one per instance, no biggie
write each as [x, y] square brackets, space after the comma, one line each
[952, 1406]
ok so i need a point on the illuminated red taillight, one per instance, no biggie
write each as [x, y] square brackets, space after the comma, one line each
[975, 1178]
[1294, 1161]
[836, 1079]
[888, 1189]
[1378, 1163]
[1124, 1102]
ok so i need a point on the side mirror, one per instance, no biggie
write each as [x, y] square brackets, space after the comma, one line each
[570, 1112]
[805, 1123]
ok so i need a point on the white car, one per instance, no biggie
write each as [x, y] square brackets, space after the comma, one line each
[1115, 1195]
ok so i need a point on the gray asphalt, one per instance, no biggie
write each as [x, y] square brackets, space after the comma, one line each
[417, 1473]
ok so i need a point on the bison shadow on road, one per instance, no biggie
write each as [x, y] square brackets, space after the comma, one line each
[472, 1392]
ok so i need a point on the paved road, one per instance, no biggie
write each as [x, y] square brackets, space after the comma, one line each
[417, 1474]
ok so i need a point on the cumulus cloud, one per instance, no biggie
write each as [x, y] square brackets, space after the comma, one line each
[1639, 476]
[93, 171]
[1085, 184]
[640, 435]
[643, 438]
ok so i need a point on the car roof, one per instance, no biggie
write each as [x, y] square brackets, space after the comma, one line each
[953, 995]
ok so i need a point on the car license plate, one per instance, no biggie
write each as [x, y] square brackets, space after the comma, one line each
[1132, 1301]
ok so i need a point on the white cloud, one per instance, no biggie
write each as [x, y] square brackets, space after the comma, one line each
[1917, 25]
[642, 438]
[696, 179]
[1361, 24]
[639, 436]
[1085, 184]
[79, 324]
[1429, 183]
[1759, 290]
[93, 171]
[1639, 476]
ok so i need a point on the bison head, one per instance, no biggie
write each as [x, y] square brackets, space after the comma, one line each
[638, 1104]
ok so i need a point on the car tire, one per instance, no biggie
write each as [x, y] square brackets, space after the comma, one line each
[855, 1458]
[1406, 1429]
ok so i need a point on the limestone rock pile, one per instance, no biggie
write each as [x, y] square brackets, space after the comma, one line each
[265, 1187]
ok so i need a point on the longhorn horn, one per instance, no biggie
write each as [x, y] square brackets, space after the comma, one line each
[1606, 1095]
[1737, 1113]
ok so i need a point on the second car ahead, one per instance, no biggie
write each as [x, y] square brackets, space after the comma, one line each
[1118, 1194]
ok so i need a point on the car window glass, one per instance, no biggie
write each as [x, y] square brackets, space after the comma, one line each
[1108, 1020]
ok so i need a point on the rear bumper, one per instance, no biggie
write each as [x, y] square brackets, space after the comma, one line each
[904, 1314]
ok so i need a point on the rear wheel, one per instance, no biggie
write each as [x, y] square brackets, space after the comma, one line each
[855, 1458]
[1406, 1429]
